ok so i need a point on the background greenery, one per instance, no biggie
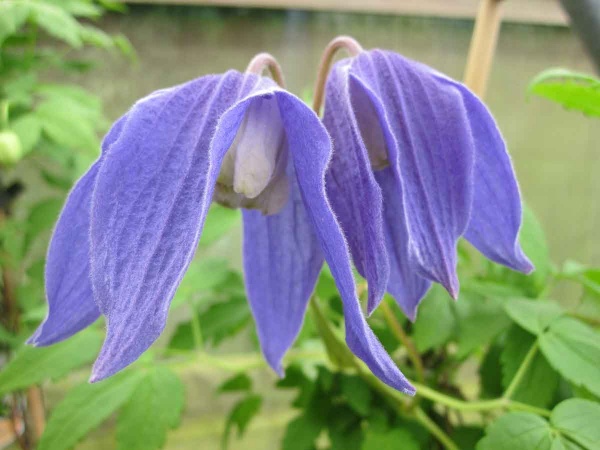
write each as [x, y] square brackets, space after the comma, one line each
[514, 364]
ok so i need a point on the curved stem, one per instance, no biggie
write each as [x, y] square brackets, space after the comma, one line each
[263, 61]
[401, 335]
[341, 42]
[514, 383]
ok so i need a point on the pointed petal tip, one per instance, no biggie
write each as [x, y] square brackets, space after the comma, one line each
[409, 389]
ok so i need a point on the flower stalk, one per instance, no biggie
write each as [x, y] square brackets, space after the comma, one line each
[266, 61]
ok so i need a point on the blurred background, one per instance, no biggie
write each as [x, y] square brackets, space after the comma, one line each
[555, 152]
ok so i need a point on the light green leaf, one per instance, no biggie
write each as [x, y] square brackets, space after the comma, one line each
[224, 319]
[241, 415]
[573, 349]
[56, 22]
[357, 394]
[96, 37]
[518, 431]
[220, 221]
[376, 439]
[573, 90]
[578, 419]
[540, 382]
[534, 244]
[203, 275]
[85, 407]
[155, 406]
[42, 217]
[13, 15]
[435, 308]
[32, 365]
[533, 315]
[29, 129]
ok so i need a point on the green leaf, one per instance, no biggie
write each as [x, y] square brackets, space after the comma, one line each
[490, 372]
[12, 16]
[220, 221]
[241, 415]
[572, 90]
[302, 432]
[376, 439]
[480, 320]
[573, 349]
[29, 129]
[357, 394]
[540, 382]
[32, 365]
[534, 244]
[155, 406]
[225, 319]
[239, 382]
[85, 407]
[42, 217]
[435, 308]
[56, 22]
[578, 419]
[203, 275]
[533, 315]
[518, 431]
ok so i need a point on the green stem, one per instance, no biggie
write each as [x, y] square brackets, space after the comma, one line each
[514, 384]
[196, 328]
[4, 114]
[434, 429]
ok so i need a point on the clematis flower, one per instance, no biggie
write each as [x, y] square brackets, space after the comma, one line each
[418, 162]
[129, 228]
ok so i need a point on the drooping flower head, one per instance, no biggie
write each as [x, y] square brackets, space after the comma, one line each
[418, 162]
[129, 228]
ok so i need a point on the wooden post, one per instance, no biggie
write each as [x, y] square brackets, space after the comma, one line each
[483, 46]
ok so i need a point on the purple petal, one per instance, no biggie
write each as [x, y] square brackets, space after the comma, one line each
[149, 205]
[71, 305]
[431, 149]
[496, 214]
[310, 149]
[351, 187]
[405, 285]
[282, 260]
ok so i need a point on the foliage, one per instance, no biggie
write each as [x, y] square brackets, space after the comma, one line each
[505, 367]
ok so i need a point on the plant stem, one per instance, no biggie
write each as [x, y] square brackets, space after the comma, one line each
[263, 61]
[401, 335]
[196, 328]
[514, 384]
[434, 429]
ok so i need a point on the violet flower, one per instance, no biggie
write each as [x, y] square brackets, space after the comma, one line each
[418, 162]
[130, 227]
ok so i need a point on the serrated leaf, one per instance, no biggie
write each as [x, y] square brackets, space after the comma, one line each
[573, 349]
[357, 393]
[32, 365]
[578, 419]
[85, 407]
[239, 382]
[518, 431]
[155, 406]
[572, 90]
[301, 432]
[392, 439]
[533, 315]
[435, 308]
[540, 381]
[56, 22]
[241, 415]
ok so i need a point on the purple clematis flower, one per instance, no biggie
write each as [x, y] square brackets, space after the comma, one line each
[418, 163]
[130, 226]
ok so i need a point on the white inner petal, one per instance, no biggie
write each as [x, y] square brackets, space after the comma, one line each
[256, 148]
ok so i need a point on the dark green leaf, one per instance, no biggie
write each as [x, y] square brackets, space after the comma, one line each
[302, 432]
[85, 407]
[32, 365]
[573, 349]
[155, 406]
[241, 415]
[573, 90]
[393, 439]
[357, 393]
[518, 431]
[540, 382]
[435, 308]
[578, 420]
[490, 373]
[534, 316]
[239, 382]
[225, 319]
